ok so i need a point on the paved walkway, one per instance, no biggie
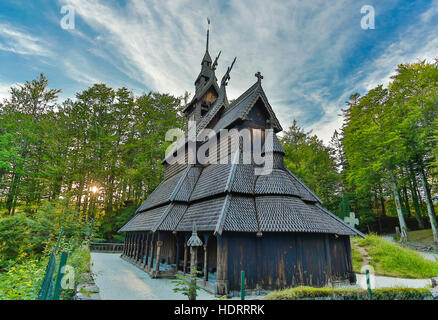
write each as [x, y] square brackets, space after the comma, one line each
[117, 279]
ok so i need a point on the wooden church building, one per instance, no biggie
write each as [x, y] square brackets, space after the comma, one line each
[271, 226]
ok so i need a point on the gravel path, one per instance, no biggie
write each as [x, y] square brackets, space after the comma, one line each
[117, 279]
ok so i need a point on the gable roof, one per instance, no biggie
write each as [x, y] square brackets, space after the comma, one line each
[239, 109]
[230, 197]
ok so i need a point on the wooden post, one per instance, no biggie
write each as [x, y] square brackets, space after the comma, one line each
[134, 254]
[151, 264]
[185, 257]
[157, 263]
[129, 245]
[222, 266]
[178, 243]
[134, 238]
[146, 247]
[193, 258]
[132, 245]
[140, 240]
[206, 236]
[205, 265]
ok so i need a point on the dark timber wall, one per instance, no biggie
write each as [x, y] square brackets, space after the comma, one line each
[280, 260]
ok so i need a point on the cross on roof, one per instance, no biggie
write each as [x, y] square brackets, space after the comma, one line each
[259, 76]
[351, 220]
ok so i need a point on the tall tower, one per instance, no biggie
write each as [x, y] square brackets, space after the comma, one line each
[206, 87]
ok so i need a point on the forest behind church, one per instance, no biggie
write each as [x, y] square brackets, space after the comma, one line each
[65, 163]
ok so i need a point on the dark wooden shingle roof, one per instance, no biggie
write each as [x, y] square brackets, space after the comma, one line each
[231, 197]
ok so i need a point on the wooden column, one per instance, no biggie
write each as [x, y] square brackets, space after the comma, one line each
[146, 247]
[135, 246]
[151, 264]
[140, 248]
[222, 266]
[206, 236]
[193, 258]
[157, 262]
[185, 257]
[178, 243]
[124, 246]
[130, 244]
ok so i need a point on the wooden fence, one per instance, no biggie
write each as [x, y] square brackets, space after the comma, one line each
[106, 247]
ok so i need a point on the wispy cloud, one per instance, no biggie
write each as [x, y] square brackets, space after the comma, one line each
[306, 50]
[18, 41]
[293, 44]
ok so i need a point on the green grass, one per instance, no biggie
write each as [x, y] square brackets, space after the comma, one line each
[357, 258]
[378, 294]
[311, 293]
[389, 259]
[421, 236]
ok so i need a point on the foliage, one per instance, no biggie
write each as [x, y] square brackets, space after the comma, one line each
[308, 158]
[186, 284]
[80, 260]
[22, 281]
[390, 259]
[97, 155]
[349, 294]
[23, 237]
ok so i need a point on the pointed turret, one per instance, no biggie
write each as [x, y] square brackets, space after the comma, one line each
[206, 70]
[206, 87]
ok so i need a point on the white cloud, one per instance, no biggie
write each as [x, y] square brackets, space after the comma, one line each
[21, 42]
[4, 91]
[298, 46]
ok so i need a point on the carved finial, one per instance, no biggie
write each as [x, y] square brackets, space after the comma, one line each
[226, 76]
[194, 240]
[215, 61]
[259, 76]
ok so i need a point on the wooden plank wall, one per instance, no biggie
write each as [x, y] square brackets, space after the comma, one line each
[281, 260]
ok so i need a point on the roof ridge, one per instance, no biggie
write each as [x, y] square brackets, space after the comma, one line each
[302, 184]
[243, 95]
[224, 212]
[268, 106]
[171, 198]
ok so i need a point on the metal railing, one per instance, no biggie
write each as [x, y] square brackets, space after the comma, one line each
[106, 247]
[50, 289]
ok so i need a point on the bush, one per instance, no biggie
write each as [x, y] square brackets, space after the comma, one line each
[22, 281]
[23, 237]
[349, 294]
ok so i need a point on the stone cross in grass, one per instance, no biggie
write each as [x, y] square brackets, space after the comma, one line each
[351, 220]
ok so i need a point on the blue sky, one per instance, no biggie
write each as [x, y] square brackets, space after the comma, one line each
[313, 54]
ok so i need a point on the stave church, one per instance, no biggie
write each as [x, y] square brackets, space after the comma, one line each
[222, 217]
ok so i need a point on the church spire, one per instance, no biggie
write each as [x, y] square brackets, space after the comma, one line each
[207, 70]
[208, 33]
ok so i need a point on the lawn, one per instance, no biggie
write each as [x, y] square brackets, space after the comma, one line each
[390, 259]
[421, 236]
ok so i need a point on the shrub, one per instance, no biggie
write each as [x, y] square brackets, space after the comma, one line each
[349, 294]
[22, 281]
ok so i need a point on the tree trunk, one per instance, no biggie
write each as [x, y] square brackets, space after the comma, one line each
[406, 198]
[430, 209]
[413, 188]
[401, 218]
[382, 202]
